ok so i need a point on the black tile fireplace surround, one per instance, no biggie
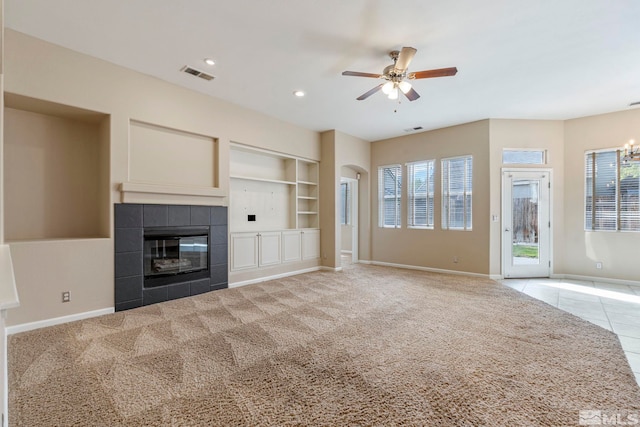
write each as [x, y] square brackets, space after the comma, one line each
[131, 220]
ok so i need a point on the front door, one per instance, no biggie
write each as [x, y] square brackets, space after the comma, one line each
[526, 223]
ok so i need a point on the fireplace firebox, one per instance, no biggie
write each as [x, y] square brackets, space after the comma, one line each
[175, 251]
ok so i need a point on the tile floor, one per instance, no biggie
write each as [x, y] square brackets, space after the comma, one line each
[612, 306]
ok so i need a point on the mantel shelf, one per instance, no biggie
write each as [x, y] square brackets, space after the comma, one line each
[276, 181]
[133, 190]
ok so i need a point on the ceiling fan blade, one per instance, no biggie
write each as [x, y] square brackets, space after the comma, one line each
[359, 74]
[411, 95]
[371, 92]
[427, 74]
[404, 58]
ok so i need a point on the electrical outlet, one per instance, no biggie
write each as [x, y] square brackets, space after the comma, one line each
[66, 296]
[599, 265]
[455, 259]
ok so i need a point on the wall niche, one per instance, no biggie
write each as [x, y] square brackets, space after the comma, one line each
[56, 171]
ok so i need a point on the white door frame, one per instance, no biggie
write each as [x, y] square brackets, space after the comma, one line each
[506, 236]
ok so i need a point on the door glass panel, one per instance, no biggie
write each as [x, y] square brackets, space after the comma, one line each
[525, 223]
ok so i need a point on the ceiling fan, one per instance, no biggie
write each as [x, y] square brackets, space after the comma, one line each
[396, 74]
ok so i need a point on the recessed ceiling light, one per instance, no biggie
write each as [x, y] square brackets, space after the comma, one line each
[209, 61]
[298, 93]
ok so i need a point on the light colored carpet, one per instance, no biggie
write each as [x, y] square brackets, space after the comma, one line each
[366, 346]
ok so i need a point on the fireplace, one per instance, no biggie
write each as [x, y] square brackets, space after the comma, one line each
[165, 252]
[175, 251]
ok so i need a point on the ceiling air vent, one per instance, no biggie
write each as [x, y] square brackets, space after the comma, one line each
[413, 129]
[196, 73]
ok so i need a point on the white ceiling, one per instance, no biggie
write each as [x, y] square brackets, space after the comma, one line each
[542, 59]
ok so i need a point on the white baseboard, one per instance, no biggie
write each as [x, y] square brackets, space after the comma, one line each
[273, 277]
[10, 330]
[596, 279]
[496, 276]
[334, 269]
[429, 269]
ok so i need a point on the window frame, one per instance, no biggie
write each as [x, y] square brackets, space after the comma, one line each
[345, 203]
[545, 155]
[429, 196]
[591, 156]
[397, 196]
[467, 196]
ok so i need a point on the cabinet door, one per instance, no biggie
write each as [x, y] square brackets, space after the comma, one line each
[244, 251]
[270, 250]
[310, 244]
[291, 246]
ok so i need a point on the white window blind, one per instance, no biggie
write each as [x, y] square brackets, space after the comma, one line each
[457, 190]
[389, 196]
[420, 189]
[611, 192]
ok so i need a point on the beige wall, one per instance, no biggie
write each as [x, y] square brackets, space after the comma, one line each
[354, 155]
[341, 150]
[534, 134]
[436, 248]
[37, 69]
[618, 251]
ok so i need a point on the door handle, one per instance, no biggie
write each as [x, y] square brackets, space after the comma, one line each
[507, 229]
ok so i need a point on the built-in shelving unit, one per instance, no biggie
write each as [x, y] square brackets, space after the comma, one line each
[307, 194]
[280, 191]
[274, 209]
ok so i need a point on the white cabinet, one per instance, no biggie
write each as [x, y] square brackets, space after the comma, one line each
[269, 248]
[244, 251]
[310, 244]
[273, 211]
[291, 245]
[252, 250]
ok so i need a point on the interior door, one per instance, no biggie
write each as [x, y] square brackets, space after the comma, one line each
[526, 224]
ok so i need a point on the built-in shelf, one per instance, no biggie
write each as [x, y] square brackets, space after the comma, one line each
[276, 181]
[281, 191]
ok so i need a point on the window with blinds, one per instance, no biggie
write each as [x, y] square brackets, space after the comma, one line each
[345, 203]
[457, 186]
[420, 190]
[611, 192]
[389, 196]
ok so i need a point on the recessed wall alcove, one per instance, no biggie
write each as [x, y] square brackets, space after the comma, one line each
[56, 171]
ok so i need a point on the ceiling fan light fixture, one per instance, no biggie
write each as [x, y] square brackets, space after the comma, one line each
[394, 93]
[404, 86]
[387, 87]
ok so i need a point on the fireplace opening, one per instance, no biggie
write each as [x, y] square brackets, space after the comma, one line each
[173, 251]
